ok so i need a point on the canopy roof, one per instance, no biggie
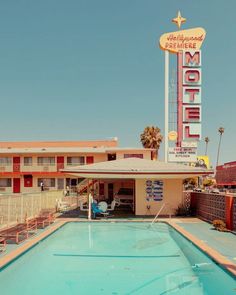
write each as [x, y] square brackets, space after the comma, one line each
[136, 168]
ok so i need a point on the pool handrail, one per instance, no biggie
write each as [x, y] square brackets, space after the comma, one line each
[155, 218]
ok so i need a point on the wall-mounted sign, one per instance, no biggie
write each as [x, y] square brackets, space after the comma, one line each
[154, 190]
[180, 154]
[183, 40]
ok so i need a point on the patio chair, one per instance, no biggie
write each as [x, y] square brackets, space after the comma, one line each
[63, 206]
[112, 206]
[82, 206]
[96, 210]
[3, 244]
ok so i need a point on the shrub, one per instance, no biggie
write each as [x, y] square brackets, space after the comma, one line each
[219, 225]
[182, 210]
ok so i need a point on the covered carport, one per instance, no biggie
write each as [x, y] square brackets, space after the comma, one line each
[154, 183]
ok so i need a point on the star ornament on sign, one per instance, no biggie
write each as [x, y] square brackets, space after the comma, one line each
[179, 20]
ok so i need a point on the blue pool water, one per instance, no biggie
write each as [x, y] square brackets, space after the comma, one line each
[115, 258]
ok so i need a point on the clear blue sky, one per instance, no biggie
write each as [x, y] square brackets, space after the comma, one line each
[89, 69]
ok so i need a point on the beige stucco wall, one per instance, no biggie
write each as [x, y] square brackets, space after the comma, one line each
[172, 197]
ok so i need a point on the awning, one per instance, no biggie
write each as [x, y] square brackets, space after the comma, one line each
[133, 168]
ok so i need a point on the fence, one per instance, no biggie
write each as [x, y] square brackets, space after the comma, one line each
[17, 207]
[214, 206]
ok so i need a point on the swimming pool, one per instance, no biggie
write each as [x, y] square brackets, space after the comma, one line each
[115, 258]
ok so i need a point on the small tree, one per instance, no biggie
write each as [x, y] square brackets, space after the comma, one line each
[151, 138]
[208, 182]
[190, 182]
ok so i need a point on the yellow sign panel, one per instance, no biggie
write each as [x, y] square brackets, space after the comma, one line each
[190, 39]
[203, 162]
[172, 135]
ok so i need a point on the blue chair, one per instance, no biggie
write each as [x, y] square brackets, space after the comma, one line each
[96, 210]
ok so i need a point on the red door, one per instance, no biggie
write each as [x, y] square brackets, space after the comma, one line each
[89, 160]
[60, 163]
[16, 164]
[16, 185]
[28, 180]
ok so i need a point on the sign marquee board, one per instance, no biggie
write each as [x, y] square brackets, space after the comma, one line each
[186, 45]
[180, 154]
[190, 39]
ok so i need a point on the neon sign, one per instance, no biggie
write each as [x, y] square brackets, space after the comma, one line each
[191, 90]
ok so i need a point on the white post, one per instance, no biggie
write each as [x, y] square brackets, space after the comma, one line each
[166, 103]
[89, 206]
[8, 210]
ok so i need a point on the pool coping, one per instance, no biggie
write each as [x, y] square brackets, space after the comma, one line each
[219, 259]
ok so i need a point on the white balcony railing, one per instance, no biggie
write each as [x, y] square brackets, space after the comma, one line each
[35, 167]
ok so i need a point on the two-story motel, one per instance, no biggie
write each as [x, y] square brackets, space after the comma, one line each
[24, 165]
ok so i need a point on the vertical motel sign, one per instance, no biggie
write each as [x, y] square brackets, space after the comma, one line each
[189, 96]
[185, 44]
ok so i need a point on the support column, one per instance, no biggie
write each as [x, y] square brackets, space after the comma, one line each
[166, 103]
[229, 211]
[89, 198]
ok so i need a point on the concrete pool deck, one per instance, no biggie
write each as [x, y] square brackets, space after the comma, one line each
[221, 247]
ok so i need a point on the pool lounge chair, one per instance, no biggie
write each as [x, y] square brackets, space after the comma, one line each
[49, 213]
[19, 232]
[45, 218]
[43, 221]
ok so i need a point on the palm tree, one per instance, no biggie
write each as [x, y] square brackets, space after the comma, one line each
[206, 141]
[221, 131]
[151, 138]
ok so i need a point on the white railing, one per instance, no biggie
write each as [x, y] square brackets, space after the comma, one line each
[16, 208]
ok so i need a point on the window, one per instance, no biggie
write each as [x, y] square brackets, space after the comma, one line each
[5, 161]
[111, 157]
[5, 182]
[133, 156]
[27, 161]
[46, 161]
[73, 161]
[47, 182]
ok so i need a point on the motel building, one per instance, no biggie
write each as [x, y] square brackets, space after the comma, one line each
[129, 176]
[24, 165]
[226, 176]
[146, 186]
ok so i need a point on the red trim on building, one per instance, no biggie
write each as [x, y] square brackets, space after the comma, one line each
[18, 174]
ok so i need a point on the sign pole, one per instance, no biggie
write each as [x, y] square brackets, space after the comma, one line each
[166, 103]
